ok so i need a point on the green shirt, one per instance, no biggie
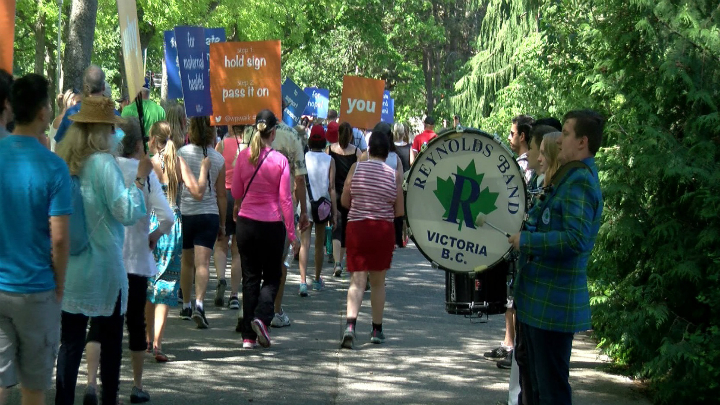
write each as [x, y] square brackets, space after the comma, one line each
[152, 113]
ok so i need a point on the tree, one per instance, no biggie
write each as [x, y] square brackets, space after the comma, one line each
[79, 46]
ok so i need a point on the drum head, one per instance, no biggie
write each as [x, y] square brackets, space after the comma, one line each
[462, 174]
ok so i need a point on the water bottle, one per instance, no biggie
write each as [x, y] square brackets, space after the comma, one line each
[290, 256]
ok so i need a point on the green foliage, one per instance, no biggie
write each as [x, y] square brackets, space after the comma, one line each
[653, 68]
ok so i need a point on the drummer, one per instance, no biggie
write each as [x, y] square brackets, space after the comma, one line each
[551, 307]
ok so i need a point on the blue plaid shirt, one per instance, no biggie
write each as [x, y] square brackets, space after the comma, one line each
[551, 292]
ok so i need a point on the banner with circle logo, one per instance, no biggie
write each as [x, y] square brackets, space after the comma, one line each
[7, 34]
[132, 54]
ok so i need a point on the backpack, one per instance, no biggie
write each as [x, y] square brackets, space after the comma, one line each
[79, 239]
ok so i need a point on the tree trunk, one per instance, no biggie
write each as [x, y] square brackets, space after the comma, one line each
[427, 70]
[39, 29]
[79, 45]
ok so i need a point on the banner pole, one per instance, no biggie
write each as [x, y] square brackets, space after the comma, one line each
[59, 44]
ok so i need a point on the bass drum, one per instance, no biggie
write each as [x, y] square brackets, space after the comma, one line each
[462, 174]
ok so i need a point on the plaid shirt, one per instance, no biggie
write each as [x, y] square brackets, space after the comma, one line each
[551, 291]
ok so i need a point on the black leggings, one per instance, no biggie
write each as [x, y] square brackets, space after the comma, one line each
[72, 345]
[261, 246]
[134, 317]
[340, 229]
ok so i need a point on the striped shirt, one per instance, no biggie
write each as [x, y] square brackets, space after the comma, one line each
[193, 156]
[373, 192]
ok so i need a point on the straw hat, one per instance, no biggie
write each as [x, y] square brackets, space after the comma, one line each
[97, 110]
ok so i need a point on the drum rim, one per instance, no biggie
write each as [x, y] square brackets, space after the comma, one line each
[410, 173]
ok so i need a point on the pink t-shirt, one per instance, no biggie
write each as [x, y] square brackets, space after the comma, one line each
[230, 152]
[269, 198]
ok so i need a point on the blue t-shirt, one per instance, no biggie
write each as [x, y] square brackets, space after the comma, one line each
[35, 185]
[66, 122]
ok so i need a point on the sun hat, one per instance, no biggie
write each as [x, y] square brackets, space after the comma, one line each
[333, 132]
[97, 110]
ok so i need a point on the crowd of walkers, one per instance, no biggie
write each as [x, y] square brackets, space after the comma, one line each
[119, 211]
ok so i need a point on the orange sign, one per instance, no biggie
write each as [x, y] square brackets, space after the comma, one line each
[7, 34]
[361, 103]
[130, 35]
[244, 79]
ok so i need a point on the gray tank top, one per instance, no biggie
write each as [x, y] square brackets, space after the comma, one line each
[193, 156]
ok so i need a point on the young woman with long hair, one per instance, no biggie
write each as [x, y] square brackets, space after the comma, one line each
[163, 289]
[548, 159]
[203, 220]
[263, 204]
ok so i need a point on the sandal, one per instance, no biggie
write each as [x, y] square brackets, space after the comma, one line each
[160, 357]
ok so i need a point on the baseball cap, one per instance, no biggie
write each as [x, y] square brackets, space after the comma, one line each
[333, 132]
[317, 133]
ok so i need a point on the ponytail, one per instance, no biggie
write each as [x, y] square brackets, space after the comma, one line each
[170, 158]
[256, 144]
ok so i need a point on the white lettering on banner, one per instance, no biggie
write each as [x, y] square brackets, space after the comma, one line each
[197, 83]
[212, 40]
[360, 105]
[245, 92]
[129, 38]
[191, 41]
[239, 61]
[194, 63]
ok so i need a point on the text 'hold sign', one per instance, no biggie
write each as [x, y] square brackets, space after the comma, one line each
[319, 102]
[295, 100]
[245, 80]
[361, 103]
[132, 54]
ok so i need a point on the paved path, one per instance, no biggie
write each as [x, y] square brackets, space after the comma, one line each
[429, 356]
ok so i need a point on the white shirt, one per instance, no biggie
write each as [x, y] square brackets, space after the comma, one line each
[318, 168]
[137, 255]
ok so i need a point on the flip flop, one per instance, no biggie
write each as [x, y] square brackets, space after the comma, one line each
[160, 357]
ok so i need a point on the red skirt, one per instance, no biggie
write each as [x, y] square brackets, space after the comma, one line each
[370, 244]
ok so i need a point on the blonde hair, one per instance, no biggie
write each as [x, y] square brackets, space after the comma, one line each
[399, 132]
[175, 115]
[162, 133]
[257, 144]
[550, 151]
[81, 141]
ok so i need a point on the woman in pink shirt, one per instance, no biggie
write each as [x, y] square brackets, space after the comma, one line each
[264, 209]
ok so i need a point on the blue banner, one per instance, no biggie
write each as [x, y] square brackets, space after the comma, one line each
[295, 100]
[388, 108]
[194, 70]
[319, 102]
[212, 36]
[172, 67]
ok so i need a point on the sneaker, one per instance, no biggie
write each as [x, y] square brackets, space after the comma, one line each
[220, 293]
[263, 336]
[348, 337]
[186, 314]
[497, 353]
[198, 315]
[377, 337]
[138, 396]
[234, 303]
[506, 363]
[337, 271]
[303, 290]
[249, 344]
[319, 285]
[280, 320]
[90, 397]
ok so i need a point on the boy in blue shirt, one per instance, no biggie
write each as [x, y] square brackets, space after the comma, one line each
[34, 244]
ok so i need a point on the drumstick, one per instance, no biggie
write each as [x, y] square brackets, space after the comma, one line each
[479, 269]
[480, 221]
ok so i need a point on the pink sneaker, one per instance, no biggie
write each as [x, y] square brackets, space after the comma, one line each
[249, 344]
[263, 336]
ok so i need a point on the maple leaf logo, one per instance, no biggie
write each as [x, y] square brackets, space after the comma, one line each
[462, 199]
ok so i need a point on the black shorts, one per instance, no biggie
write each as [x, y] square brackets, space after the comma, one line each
[229, 214]
[200, 230]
